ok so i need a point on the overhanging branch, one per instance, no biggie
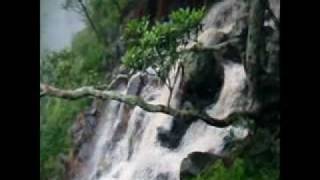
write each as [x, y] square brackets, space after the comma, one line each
[197, 47]
[47, 90]
[120, 78]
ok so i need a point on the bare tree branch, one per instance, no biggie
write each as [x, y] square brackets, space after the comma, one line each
[47, 90]
[120, 78]
[197, 47]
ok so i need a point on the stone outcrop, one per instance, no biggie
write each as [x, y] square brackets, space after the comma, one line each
[195, 162]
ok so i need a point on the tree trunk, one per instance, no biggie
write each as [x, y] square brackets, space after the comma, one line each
[93, 26]
[255, 52]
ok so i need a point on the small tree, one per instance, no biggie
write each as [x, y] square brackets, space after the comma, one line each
[156, 46]
[80, 7]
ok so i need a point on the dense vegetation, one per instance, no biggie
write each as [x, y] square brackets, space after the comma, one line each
[156, 45]
[82, 64]
[241, 169]
[69, 68]
[261, 161]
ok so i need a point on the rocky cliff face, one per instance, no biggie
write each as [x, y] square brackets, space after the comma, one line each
[114, 141]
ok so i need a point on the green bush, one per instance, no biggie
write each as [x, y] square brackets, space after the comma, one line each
[70, 68]
[242, 169]
[156, 45]
[107, 16]
[55, 139]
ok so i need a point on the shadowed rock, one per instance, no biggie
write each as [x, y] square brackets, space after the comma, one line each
[195, 162]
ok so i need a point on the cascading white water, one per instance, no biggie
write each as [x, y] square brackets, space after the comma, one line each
[138, 155]
[133, 152]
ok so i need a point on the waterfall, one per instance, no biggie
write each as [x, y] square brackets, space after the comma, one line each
[138, 155]
[126, 144]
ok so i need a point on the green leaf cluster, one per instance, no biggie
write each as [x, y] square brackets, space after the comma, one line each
[260, 160]
[242, 169]
[187, 18]
[56, 117]
[156, 45]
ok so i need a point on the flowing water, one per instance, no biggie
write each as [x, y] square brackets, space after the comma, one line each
[137, 154]
[126, 144]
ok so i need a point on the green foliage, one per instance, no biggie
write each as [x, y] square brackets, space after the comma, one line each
[156, 46]
[70, 68]
[219, 172]
[186, 18]
[260, 160]
[106, 15]
[81, 65]
[242, 169]
[63, 69]
[90, 58]
[135, 30]
[55, 139]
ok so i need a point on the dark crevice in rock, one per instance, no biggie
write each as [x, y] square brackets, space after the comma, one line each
[135, 87]
[134, 140]
[171, 138]
[202, 82]
[162, 176]
[203, 79]
[195, 162]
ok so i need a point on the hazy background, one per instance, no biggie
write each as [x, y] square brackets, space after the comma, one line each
[57, 26]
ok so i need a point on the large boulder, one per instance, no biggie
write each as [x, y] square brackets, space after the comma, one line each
[202, 80]
[201, 83]
[195, 162]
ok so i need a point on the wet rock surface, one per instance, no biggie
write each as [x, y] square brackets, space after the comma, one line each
[82, 133]
[203, 79]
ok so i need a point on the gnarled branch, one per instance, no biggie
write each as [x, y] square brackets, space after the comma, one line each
[47, 90]
[197, 47]
[120, 78]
